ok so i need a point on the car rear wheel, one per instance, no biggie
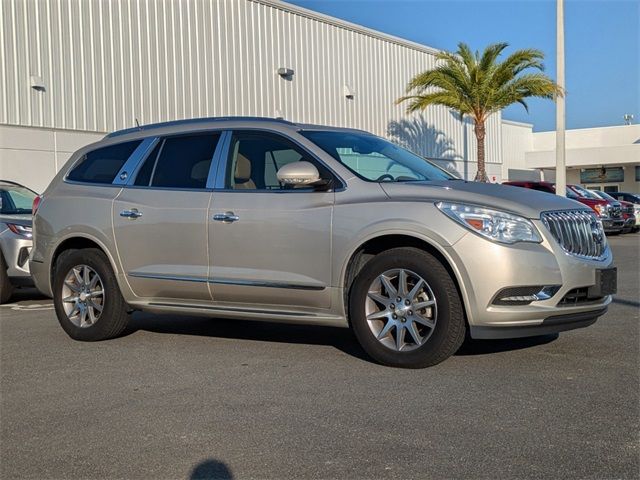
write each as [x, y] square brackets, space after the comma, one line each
[86, 296]
[405, 309]
[6, 289]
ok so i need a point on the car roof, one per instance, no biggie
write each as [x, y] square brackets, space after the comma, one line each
[196, 124]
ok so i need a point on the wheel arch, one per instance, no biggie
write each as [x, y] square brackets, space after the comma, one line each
[79, 241]
[370, 247]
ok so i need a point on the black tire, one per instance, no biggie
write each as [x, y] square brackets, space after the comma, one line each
[113, 318]
[449, 332]
[6, 289]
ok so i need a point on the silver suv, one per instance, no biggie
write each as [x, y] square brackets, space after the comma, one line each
[264, 219]
[15, 237]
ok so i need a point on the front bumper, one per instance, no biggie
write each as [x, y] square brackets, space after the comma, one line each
[553, 324]
[611, 225]
[629, 223]
[485, 268]
[16, 250]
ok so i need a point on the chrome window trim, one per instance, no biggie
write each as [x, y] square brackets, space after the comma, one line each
[223, 159]
[221, 162]
[133, 163]
[216, 153]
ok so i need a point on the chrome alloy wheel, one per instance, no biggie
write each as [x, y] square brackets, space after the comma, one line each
[83, 296]
[401, 309]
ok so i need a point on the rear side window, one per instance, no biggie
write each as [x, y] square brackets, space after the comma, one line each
[102, 165]
[179, 162]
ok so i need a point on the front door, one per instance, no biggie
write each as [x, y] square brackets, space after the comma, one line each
[160, 220]
[269, 245]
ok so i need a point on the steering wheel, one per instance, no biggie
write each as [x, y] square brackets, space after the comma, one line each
[385, 176]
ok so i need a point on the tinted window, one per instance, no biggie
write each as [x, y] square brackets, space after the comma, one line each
[102, 165]
[255, 158]
[144, 174]
[375, 159]
[179, 162]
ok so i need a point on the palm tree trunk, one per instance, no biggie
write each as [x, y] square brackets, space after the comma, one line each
[481, 176]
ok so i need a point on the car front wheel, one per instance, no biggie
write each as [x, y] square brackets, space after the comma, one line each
[405, 309]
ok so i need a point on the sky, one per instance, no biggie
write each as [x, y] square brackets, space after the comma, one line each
[602, 45]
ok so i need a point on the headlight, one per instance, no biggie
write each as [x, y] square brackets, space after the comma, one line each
[21, 230]
[495, 225]
[602, 210]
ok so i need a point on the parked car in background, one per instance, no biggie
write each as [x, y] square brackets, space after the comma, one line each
[632, 198]
[609, 213]
[627, 209]
[15, 236]
[631, 223]
[265, 219]
[626, 196]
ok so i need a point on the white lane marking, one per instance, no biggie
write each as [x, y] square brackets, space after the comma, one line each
[37, 307]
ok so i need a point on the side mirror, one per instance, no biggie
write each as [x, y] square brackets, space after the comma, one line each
[298, 173]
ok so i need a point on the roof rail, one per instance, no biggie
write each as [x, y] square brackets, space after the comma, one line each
[191, 121]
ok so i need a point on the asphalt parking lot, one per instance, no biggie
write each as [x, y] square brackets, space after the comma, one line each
[187, 397]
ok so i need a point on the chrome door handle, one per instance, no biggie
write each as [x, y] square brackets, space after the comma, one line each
[226, 217]
[133, 213]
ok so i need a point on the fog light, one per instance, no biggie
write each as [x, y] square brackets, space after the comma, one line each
[525, 295]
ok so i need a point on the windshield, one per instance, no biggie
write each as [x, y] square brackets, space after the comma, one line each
[583, 192]
[604, 195]
[15, 200]
[374, 159]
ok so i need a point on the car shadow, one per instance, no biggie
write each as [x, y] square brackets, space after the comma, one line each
[340, 338]
[484, 347]
[22, 294]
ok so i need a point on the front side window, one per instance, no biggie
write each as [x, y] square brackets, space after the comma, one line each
[103, 164]
[179, 162]
[255, 158]
[375, 159]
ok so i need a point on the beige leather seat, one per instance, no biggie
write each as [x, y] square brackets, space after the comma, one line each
[242, 175]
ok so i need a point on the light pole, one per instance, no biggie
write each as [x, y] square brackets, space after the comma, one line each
[561, 172]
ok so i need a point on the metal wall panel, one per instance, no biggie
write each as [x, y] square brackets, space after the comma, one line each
[106, 63]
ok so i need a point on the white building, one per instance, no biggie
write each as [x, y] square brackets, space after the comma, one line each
[605, 158]
[72, 70]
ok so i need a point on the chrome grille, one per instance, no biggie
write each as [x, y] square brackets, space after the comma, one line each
[579, 232]
[616, 211]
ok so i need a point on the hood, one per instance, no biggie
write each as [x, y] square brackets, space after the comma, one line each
[522, 201]
[18, 219]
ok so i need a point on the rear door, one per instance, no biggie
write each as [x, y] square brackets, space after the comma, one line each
[160, 219]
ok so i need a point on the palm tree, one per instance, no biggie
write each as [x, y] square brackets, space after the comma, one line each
[479, 85]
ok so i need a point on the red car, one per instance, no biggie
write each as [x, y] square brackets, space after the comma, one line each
[609, 213]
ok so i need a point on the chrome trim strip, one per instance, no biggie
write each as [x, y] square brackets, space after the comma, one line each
[160, 276]
[233, 309]
[268, 284]
[223, 281]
